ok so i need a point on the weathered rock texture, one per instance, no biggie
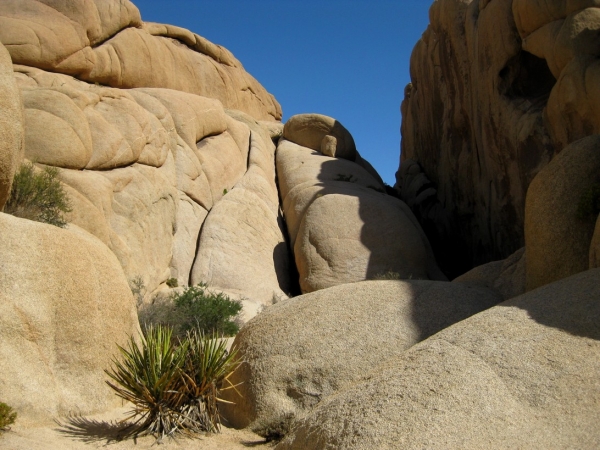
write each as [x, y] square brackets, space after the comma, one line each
[301, 350]
[145, 167]
[558, 228]
[497, 88]
[523, 374]
[105, 41]
[507, 276]
[65, 305]
[11, 126]
[342, 226]
[321, 133]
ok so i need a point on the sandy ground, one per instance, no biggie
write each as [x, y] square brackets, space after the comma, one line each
[101, 431]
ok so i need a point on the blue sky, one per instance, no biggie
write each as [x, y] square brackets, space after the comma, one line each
[346, 59]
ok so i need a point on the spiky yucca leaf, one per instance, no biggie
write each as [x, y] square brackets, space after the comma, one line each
[208, 366]
[150, 378]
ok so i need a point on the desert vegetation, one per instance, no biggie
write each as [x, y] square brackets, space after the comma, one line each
[7, 417]
[195, 308]
[173, 384]
[38, 195]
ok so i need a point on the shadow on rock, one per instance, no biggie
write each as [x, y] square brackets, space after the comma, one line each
[571, 304]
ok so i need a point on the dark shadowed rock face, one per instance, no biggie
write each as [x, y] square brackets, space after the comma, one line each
[486, 110]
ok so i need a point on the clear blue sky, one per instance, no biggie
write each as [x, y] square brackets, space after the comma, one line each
[345, 59]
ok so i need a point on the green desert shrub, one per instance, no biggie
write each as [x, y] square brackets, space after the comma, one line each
[174, 385]
[208, 312]
[7, 417]
[172, 282]
[194, 308]
[38, 195]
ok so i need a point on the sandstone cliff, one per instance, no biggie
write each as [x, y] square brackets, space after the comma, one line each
[177, 166]
[498, 87]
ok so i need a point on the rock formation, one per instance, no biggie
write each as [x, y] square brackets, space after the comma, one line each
[185, 172]
[65, 305]
[345, 331]
[11, 125]
[521, 374]
[342, 225]
[498, 88]
[106, 42]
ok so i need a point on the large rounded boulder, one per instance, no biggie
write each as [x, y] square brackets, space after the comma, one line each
[301, 350]
[561, 214]
[322, 133]
[65, 306]
[523, 374]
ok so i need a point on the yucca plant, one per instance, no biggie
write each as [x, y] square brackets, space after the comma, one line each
[206, 373]
[149, 376]
[174, 387]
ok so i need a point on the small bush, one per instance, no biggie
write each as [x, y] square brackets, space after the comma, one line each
[207, 312]
[346, 178]
[173, 386]
[7, 417]
[172, 282]
[274, 430]
[389, 275]
[195, 308]
[138, 289]
[38, 195]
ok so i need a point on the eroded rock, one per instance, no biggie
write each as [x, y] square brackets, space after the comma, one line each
[521, 374]
[302, 350]
[65, 305]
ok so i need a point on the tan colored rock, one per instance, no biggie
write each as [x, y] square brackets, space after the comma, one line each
[557, 240]
[82, 126]
[300, 169]
[105, 42]
[194, 117]
[507, 277]
[11, 126]
[473, 119]
[242, 250]
[342, 226]
[222, 163]
[355, 236]
[56, 130]
[321, 133]
[86, 215]
[275, 128]
[573, 112]
[182, 155]
[301, 350]
[65, 305]
[144, 205]
[523, 374]
[531, 15]
[260, 176]
[189, 221]
[44, 33]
